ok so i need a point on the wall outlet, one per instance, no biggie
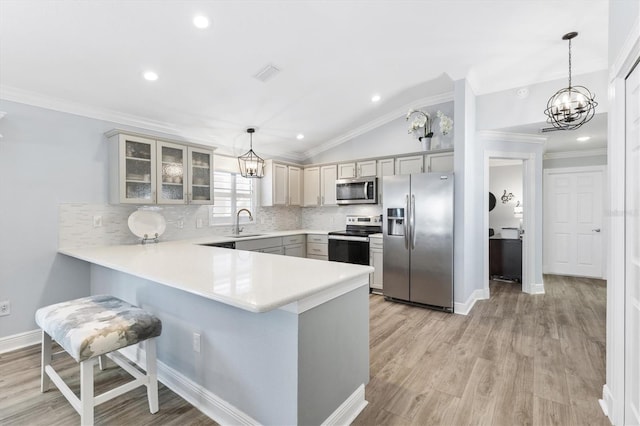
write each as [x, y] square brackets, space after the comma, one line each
[196, 342]
[180, 223]
[5, 308]
[97, 221]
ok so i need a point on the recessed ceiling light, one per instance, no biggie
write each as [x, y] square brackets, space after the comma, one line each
[201, 21]
[375, 98]
[300, 136]
[583, 138]
[150, 75]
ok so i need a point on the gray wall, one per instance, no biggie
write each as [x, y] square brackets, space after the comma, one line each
[622, 15]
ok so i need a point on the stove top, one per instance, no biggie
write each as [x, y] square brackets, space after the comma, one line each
[361, 226]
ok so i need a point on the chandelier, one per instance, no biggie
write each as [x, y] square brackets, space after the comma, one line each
[251, 165]
[571, 107]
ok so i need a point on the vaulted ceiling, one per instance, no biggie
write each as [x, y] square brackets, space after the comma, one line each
[333, 56]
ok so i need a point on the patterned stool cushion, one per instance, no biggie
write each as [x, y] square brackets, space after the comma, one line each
[96, 325]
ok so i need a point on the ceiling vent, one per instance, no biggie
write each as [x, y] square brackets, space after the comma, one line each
[267, 73]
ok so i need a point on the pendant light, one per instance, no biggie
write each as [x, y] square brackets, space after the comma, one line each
[573, 106]
[251, 165]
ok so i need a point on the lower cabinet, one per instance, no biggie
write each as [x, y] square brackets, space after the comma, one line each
[317, 246]
[375, 260]
[295, 245]
[505, 259]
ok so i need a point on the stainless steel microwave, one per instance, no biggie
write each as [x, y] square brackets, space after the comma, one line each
[357, 191]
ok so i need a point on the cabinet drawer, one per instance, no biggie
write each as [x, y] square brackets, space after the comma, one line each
[259, 244]
[317, 238]
[317, 257]
[293, 239]
[317, 249]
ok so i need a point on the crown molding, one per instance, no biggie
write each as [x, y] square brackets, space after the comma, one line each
[575, 154]
[380, 121]
[510, 137]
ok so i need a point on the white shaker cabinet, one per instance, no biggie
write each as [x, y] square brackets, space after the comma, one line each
[311, 184]
[386, 167]
[274, 184]
[356, 170]
[347, 170]
[440, 162]
[295, 186]
[409, 165]
[328, 176]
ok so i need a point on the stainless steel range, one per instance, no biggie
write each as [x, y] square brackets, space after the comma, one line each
[352, 244]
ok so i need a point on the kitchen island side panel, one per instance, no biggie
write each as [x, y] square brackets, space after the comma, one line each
[247, 359]
[333, 354]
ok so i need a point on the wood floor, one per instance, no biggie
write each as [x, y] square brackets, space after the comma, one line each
[516, 359]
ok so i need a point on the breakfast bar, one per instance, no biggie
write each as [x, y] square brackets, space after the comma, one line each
[248, 338]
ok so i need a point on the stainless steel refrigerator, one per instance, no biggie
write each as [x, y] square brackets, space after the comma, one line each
[418, 239]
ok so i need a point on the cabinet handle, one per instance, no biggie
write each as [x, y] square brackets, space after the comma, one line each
[596, 230]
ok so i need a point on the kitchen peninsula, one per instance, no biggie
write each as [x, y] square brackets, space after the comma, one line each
[248, 337]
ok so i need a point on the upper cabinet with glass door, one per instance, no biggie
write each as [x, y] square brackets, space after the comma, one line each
[148, 171]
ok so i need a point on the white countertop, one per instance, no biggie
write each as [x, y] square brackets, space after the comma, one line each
[255, 282]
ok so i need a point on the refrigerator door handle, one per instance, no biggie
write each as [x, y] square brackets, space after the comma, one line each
[405, 222]
[413, 221]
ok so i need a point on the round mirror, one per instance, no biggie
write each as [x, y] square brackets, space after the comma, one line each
[492, 201]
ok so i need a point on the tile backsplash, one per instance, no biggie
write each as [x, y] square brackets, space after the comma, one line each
[76, 223]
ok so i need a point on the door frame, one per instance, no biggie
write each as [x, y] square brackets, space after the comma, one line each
[528, 219]
[613, 392]
[545, 228]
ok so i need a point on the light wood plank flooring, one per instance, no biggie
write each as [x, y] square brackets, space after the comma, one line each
[516, 359]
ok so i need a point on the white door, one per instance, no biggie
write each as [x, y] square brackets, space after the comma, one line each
[573, 221]
[311, 182]
[632, 232]
[295, 186]
[328, 175]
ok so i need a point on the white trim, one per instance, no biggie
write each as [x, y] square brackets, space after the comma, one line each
[19, 341]
[347, 412]
[535, 288]
[380, 121]
[528, 242]
[465, 308]
[606, 401]
[495, 135]
[575, 154]
[223, 412]
[629, 53]
[324, 296]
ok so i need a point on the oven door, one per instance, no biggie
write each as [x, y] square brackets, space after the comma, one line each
[349, 249]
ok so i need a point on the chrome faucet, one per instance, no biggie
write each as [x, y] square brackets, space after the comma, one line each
[237, 227]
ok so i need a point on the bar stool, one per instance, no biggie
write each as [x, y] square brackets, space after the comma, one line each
[94, 327]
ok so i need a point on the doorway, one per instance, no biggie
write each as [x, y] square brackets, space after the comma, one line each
[506, 212]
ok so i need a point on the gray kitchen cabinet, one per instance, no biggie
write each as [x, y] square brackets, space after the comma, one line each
[376, 260]
[317, 246]
[295, 245]
[409, 165]
[439, 162]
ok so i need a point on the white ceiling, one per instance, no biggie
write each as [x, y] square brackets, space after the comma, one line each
[334, 55]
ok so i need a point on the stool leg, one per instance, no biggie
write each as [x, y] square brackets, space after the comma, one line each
[86, 392]
[152, 375]
[46, 360]
[102, 362]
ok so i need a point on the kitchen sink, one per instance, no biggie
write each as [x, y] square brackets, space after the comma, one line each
[244, 235]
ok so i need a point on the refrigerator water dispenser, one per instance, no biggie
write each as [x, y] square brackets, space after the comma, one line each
[395, 222]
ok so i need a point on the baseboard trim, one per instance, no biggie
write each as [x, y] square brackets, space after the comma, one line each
[465, 308]
[19, 341]
[536, 288]
[347, 412]
[220, 410]
[606, 402]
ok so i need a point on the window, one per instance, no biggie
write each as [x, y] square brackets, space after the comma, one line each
[231, 192]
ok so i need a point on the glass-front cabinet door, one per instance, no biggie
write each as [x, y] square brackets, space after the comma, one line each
[138, 171]
[172, 180]
[200, 176]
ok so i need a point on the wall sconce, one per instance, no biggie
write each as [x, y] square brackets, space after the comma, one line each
[517, 210]
[506, 197]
